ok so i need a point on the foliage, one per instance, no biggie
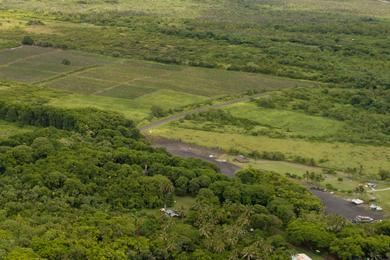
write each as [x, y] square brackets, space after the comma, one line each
[27, 40]
[71, 193]
[366, 112]
[297, 41]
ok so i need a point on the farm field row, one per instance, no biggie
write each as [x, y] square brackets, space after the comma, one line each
[346, 47]
[129, 86]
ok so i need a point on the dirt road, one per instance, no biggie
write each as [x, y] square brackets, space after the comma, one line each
[181, 115]
[333, 204]
[188, 150]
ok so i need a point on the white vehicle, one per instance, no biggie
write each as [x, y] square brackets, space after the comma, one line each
[300, 257]
[375, 207]
[363, 219]
[357, 201]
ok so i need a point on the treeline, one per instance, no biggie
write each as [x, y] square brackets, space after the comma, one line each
[80, 120]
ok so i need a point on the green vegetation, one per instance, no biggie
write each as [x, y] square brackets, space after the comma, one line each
[90, 176]
[344, 132]
[341, 156]
[324, 41]
[128, 86]
[8, 129]
[78, 180]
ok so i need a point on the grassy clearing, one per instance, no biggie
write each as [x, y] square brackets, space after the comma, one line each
[383, 198]
[8, 129]
[124, 106]
[288, 122]
[168, 99]
[334, 155]
[182, 204]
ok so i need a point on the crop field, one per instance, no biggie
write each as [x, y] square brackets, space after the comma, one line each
[328, 41]
[128, 86]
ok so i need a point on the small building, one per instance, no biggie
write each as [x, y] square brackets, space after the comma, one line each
[170, 212]
[357, 201]
[241, 159]
[300, 256]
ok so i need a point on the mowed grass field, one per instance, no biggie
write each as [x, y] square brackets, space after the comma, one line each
[128, 86]
[289, 122]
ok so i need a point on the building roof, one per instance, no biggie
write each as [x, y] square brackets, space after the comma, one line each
[301, 256]
[357, 201]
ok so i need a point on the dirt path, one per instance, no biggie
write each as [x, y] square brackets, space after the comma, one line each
[181, 115]
[385, 189]
[333, 204]
[189, 150]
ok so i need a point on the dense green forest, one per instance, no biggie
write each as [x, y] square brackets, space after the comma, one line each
[76, 188]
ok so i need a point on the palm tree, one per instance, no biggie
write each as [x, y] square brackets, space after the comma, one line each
[258, 250]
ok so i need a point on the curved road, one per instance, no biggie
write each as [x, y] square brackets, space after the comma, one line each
[196, 110]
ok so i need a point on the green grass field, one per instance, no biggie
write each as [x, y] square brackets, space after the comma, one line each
[289, 122]
[334, 155]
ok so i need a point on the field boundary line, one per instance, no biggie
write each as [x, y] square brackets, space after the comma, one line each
[28, 58]
[66, 74]
[127, 83]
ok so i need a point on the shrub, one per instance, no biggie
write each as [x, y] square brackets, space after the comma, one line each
[27, 40]
[66, 62]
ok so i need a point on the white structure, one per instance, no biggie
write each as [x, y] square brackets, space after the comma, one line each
[375, 207]
[300, 257]
[170, 213]
[363, 219]
[357, 201]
